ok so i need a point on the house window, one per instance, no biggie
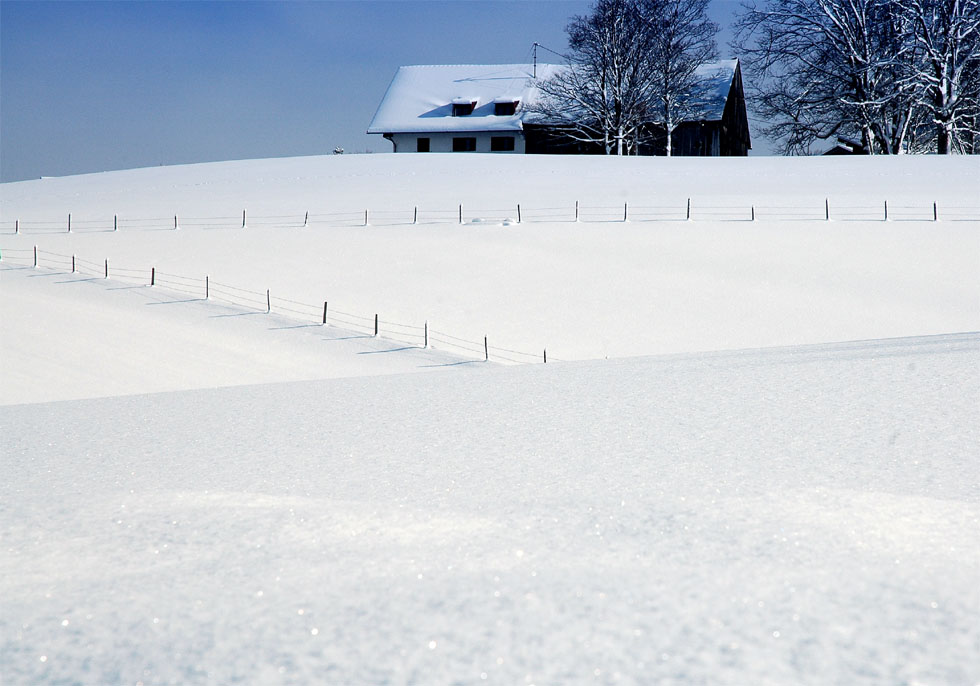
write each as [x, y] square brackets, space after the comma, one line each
[462, 109]
[422, 145]
[504, 109]
[502, 144]
[464, 144]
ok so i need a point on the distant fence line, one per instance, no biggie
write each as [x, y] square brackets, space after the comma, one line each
[205, 288]
[515, 214]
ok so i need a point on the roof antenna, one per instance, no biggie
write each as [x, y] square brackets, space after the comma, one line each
[534, 73]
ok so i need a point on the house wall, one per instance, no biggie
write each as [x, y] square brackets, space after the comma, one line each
[440, 141]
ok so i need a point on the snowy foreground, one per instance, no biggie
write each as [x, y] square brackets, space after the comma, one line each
[196, 491]
[782, 516]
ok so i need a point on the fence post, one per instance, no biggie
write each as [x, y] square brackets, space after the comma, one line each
[826, 209]
[268, 301]
[753, 213]
[576, 210]
[486, 350]
[69, 222]
[35, 257]
[175, 223]
[375, 324]
[243, 219]
[688, 209]
[365, 217]
[546, 356]
[72, 264]
[886, 210]
[153, 276]
[426, 344]
[460, 213]
[518, 213]
[17, 226]
[107, 269]
[207, 287]
[625, 211]
[935, 212]
[115, 222]
[306, 220]
[324, 312]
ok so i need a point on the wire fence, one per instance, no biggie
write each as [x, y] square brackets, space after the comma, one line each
[516, 213]
[204, 288]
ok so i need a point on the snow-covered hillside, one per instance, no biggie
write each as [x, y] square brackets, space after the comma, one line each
[779, 486]
[592, 289]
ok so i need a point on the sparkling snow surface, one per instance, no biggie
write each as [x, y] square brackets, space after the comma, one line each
[298, 508]
[784, 516]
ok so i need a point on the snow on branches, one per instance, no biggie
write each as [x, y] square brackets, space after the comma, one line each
[633, 63]
[899, 75]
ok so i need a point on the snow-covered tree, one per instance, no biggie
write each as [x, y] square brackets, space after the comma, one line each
[632, 63]
[882, 71]
[603, 95]
[826, 68]
[682, 38]
[945, 73]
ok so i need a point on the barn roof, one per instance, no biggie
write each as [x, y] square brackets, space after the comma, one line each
[420, 98]
[717, 79]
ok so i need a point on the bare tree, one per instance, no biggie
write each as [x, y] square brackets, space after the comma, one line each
[633, 64]
[682, 39]
[876, 70]
[822, 68]
[946, 71]
[602, 95]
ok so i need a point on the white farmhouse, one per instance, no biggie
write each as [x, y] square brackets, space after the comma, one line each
[485, 108]
[458, 108]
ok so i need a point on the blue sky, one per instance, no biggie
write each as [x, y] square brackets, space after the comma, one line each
[93, 86]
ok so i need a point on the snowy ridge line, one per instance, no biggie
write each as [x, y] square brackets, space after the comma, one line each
[208, 289]
[524, 214]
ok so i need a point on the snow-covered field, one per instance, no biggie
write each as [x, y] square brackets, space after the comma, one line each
[741, 496]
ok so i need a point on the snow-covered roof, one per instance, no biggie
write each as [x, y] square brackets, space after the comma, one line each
[717, 78]
[420, 97]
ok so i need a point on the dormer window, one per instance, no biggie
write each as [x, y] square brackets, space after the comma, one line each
[463, 107]
[505, 108]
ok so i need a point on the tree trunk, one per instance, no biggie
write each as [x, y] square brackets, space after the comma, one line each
[868, 140]
[942, 138]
